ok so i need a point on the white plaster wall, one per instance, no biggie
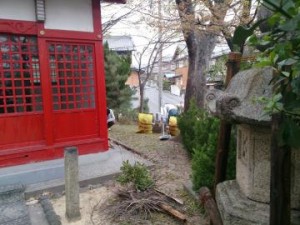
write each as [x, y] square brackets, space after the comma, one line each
[69, 15]
[17, 10]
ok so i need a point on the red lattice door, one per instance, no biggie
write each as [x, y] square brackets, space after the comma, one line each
[72, 75]
[21, 102]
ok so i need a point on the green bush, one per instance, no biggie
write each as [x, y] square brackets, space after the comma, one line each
[130, 115]
[199, 132]
[195, 126]
[137, 175]
[167, 85]
[127, 116]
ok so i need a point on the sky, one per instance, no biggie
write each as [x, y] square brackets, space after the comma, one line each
[140, 32]
[134, 27]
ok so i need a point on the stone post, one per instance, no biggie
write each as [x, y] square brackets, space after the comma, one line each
[72, 184]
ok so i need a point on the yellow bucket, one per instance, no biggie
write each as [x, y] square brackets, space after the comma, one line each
[145, 123]
[173, 129]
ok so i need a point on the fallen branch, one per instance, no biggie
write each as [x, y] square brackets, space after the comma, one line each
[176, 200]
[133, 203]
[173, 212]
[210, 206]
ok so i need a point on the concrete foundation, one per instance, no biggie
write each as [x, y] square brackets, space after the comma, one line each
[236, 209]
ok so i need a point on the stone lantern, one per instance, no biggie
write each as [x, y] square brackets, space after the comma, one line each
[245, 201]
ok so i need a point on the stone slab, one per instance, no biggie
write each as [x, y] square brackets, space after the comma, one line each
[49, 176]
[13, 210]
[37, 215]
[11, 193]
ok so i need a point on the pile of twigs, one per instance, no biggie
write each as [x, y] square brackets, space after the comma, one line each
[143, 203]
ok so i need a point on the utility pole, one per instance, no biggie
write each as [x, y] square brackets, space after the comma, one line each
[159, 78]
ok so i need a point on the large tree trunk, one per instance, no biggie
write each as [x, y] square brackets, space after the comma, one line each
[200, 50]
[200, 45]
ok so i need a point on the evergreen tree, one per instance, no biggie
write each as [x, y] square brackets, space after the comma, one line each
[117, 70]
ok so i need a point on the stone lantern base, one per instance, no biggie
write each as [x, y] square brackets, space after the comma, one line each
[236, 209]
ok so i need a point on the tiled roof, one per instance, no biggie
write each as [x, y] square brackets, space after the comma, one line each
[169, 75]
[120, 43]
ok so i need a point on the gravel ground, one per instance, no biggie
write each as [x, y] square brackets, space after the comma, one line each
[172, 164]
[171, 170]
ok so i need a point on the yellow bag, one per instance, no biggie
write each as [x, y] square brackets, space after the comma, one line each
[173, 129]
[145, 123]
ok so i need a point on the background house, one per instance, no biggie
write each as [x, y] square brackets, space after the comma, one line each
[181, 72]
[133, 79]
[167, 67]
[180, 59]
[122, 45]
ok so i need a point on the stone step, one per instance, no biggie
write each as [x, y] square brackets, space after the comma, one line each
[13, 210]
[11, 193]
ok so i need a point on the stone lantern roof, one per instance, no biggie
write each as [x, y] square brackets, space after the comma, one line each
[239, 102]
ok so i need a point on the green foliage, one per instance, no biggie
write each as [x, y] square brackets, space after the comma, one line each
[199, 133]
[127, 116]
[167, 85]
[137, 175]
[145, 105]
[117, 70]
[242, 33]
[203, 167]
[218, 70]
[289, 133]
[186, 122]
[282, 47]
[194, 126]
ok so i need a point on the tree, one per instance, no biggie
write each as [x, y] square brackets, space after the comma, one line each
[112, 14]
[144, 14]
[144, 72]
[151, 53]
[201, 31]
[117, 70]
[202, 23]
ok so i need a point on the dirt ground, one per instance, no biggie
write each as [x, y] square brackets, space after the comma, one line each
[171, 170]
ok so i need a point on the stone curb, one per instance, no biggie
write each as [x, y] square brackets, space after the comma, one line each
[51, 216]
[11, 192]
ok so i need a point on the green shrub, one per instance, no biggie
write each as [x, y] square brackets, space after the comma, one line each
[127, 116]
[137, 175]
[167, 85]
[130, 115]
[199, 132]
[186, 124]
[203, 169]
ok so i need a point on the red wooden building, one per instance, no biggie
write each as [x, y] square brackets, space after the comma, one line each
[52, 84]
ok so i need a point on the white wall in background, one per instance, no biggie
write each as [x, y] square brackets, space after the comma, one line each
[73, 15]
[17, 10]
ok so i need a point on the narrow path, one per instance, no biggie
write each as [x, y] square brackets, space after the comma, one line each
[13, 210]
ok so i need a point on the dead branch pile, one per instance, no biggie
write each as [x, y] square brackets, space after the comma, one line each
[132, 203]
